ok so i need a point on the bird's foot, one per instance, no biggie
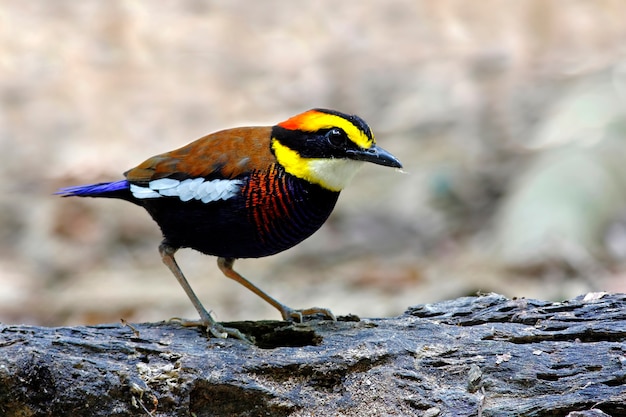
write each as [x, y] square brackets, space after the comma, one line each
[291, 314]
[220, 331]
[214, 328]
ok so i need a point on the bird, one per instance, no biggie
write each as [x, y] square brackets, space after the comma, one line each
[247, 192]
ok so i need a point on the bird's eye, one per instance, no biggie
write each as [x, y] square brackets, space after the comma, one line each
[337, 137]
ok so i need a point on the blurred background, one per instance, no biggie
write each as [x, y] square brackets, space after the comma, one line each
[509, 117]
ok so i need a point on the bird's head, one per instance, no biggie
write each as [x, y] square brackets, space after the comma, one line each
[327, 147]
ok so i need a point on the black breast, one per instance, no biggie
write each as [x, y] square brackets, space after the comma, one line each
[273, 212]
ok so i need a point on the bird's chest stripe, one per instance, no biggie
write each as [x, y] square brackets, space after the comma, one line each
[189, 189]
[272, 204]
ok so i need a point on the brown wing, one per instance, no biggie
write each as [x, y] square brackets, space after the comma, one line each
[224, 154]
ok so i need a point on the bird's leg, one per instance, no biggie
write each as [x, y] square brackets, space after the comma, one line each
[167, 255]
[226, 266]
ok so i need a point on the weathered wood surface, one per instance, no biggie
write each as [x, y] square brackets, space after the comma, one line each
[474, 356]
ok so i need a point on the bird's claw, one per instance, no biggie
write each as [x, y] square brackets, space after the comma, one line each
[214, 328]
[188, 323]
[222, 332]
[290, 314]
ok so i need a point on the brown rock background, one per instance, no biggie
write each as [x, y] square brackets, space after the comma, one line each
[508, 117]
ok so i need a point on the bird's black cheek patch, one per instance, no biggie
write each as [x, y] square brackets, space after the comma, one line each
[310, 144]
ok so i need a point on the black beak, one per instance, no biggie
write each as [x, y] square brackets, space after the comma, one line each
[375, 155]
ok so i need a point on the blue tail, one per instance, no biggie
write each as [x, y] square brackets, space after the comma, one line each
[117, 189]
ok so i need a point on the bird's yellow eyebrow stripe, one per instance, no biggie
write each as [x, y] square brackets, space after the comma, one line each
[312, 121]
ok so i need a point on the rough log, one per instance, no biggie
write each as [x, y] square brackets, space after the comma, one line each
[473, 356]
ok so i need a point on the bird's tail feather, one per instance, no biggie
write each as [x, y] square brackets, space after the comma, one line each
[117, 189]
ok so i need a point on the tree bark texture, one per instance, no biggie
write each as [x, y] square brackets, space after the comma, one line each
[473, 356]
